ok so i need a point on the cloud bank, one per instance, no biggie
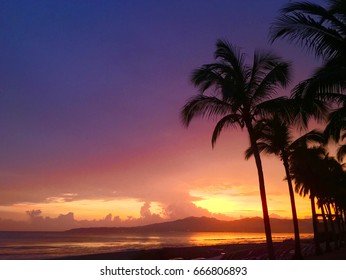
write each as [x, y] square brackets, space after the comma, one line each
[36, 221]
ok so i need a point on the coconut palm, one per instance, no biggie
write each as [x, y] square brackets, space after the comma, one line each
[273, 137]
[235, 93]
[332, 175]
[336, 194]
[305, 168]
[321, 30]
[320, 176]
[336, 127]
[340, 191]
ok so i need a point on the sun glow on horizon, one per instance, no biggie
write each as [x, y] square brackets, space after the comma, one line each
[86, 209]
[217, 205]
[244, 201]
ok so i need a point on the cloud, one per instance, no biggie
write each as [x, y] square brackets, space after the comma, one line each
[178, 210]
[37, 221]
[184, 209]
[63, 221]
[34, 213]
[145, 210]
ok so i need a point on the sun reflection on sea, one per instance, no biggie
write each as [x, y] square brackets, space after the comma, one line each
[34, 245]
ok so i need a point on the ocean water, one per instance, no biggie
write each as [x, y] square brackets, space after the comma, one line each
[47, 245]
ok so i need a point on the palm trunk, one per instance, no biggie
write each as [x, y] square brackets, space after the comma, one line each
[315, 225]
[297, 251]
[338, 222]
[342, 219]
[326, 231]
[343, 223]
[266, 220]
[330, 218]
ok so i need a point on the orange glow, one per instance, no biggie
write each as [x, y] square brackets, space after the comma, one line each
[218, 205]
[241, 201]
[83, 209]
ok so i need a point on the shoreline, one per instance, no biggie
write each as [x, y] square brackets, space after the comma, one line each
[249, 251]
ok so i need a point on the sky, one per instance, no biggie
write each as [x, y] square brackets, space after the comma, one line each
[90, 101]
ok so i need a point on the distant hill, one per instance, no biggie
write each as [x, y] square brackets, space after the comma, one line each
[205, 224]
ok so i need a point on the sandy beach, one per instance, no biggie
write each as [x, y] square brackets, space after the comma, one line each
[284, 251]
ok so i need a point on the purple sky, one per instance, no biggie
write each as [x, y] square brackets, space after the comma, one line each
[90, 94]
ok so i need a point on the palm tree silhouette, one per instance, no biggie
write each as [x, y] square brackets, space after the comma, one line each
[305, 168]
[321, 30]
[318, 29]
[333, 175]
[322, 177]
[240, 93]
[273, 137]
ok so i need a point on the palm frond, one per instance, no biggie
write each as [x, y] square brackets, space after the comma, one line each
[315, 10]
[278, 74]
[223, 78]
[205, 77]
[311, 26]
[307, 168]
[338, 8]
[231, 56]
[331, 14]
[311, 109]
[336, 124]
[327, 83]
[272, 136]
[341, 153]
[304, 6]
[330, 77]
[204, 107]
[248, 153]
[231, 120]
[262, 148]
[310, 103]
[313, 136]
[282, 107]
[262, 62]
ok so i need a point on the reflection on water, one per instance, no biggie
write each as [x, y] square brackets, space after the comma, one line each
[43, 245]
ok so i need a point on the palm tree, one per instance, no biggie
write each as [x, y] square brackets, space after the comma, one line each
[321, 176]
[239, 93]
[340, 192]
[331, 177]
[273, 137]
[305, 168]
[321, 30]
[336, 127]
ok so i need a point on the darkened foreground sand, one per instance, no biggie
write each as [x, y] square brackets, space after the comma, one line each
[284, 251]
[339, 254]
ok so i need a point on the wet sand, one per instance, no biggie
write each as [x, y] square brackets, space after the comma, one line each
[283, 250]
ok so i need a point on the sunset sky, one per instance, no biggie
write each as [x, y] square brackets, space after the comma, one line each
[90, 96]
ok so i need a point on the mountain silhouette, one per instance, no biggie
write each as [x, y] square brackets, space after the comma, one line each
[204, 224]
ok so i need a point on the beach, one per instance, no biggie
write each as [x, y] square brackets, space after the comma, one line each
[283, 250]
[164, 245]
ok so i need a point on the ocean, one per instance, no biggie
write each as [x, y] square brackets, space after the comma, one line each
[48, 245]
